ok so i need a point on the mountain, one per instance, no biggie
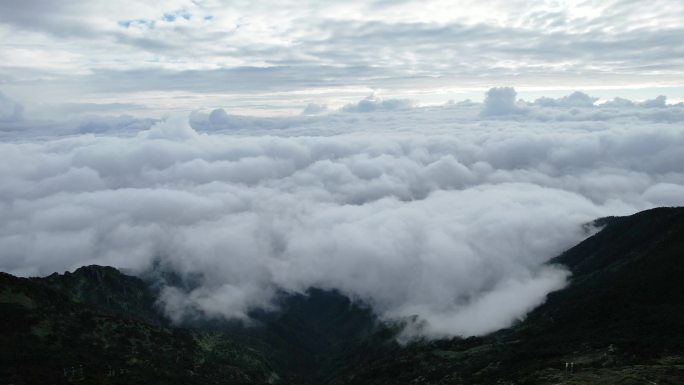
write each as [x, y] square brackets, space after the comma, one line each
[109, 289]
[106, 322]
[50, 333]
[619, 321]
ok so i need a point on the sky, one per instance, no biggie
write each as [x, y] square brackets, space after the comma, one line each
[424, 158]
[274, 58]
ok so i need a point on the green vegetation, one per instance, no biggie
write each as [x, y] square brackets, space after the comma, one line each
[619, 321]
[58, 340]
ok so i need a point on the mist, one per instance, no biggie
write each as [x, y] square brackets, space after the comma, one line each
[444, 215]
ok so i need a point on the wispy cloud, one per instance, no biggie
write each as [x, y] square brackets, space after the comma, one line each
[217, 47]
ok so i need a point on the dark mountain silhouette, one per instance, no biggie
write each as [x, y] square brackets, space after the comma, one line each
[619, 321]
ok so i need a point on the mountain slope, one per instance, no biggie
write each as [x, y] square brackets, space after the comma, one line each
[108, 289]
[627, 287]
[48, 338]
[620, 320]
[108, 318]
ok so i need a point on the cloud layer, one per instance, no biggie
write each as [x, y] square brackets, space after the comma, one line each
[447, 213]
[169, 55]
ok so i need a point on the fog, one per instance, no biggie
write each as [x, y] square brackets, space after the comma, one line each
[448, 213]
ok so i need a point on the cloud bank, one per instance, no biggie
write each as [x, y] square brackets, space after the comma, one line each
[445, 213]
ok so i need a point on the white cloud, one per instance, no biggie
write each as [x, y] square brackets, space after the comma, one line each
[314, 109]
[575, 99]
[618, 102]
[431, 211]
[501, 101]
[10, 110]
[658, 102]
[174, 128]
[374, 103]
[665, 194]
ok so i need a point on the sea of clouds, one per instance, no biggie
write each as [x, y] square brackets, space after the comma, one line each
[448, 213]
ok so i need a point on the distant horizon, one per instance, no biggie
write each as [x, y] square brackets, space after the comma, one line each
[68, 110]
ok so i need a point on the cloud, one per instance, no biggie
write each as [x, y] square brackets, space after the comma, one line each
[658, 102]
[374, 103]
[314, 109]
[432, 212]
[219, 120]
[618, 102]
[575, 99]
[577, 106]
[666, 194]
[218, 116]
[121, 124]
[501, 101]
[174, 128]
[10, 110]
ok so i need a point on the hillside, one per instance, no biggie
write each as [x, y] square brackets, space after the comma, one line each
[107, 323]
[48, 337]
[619, 321]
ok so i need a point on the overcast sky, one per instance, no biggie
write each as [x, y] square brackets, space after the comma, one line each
[274, 57]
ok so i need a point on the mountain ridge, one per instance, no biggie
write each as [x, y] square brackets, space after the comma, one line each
[618, 320]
